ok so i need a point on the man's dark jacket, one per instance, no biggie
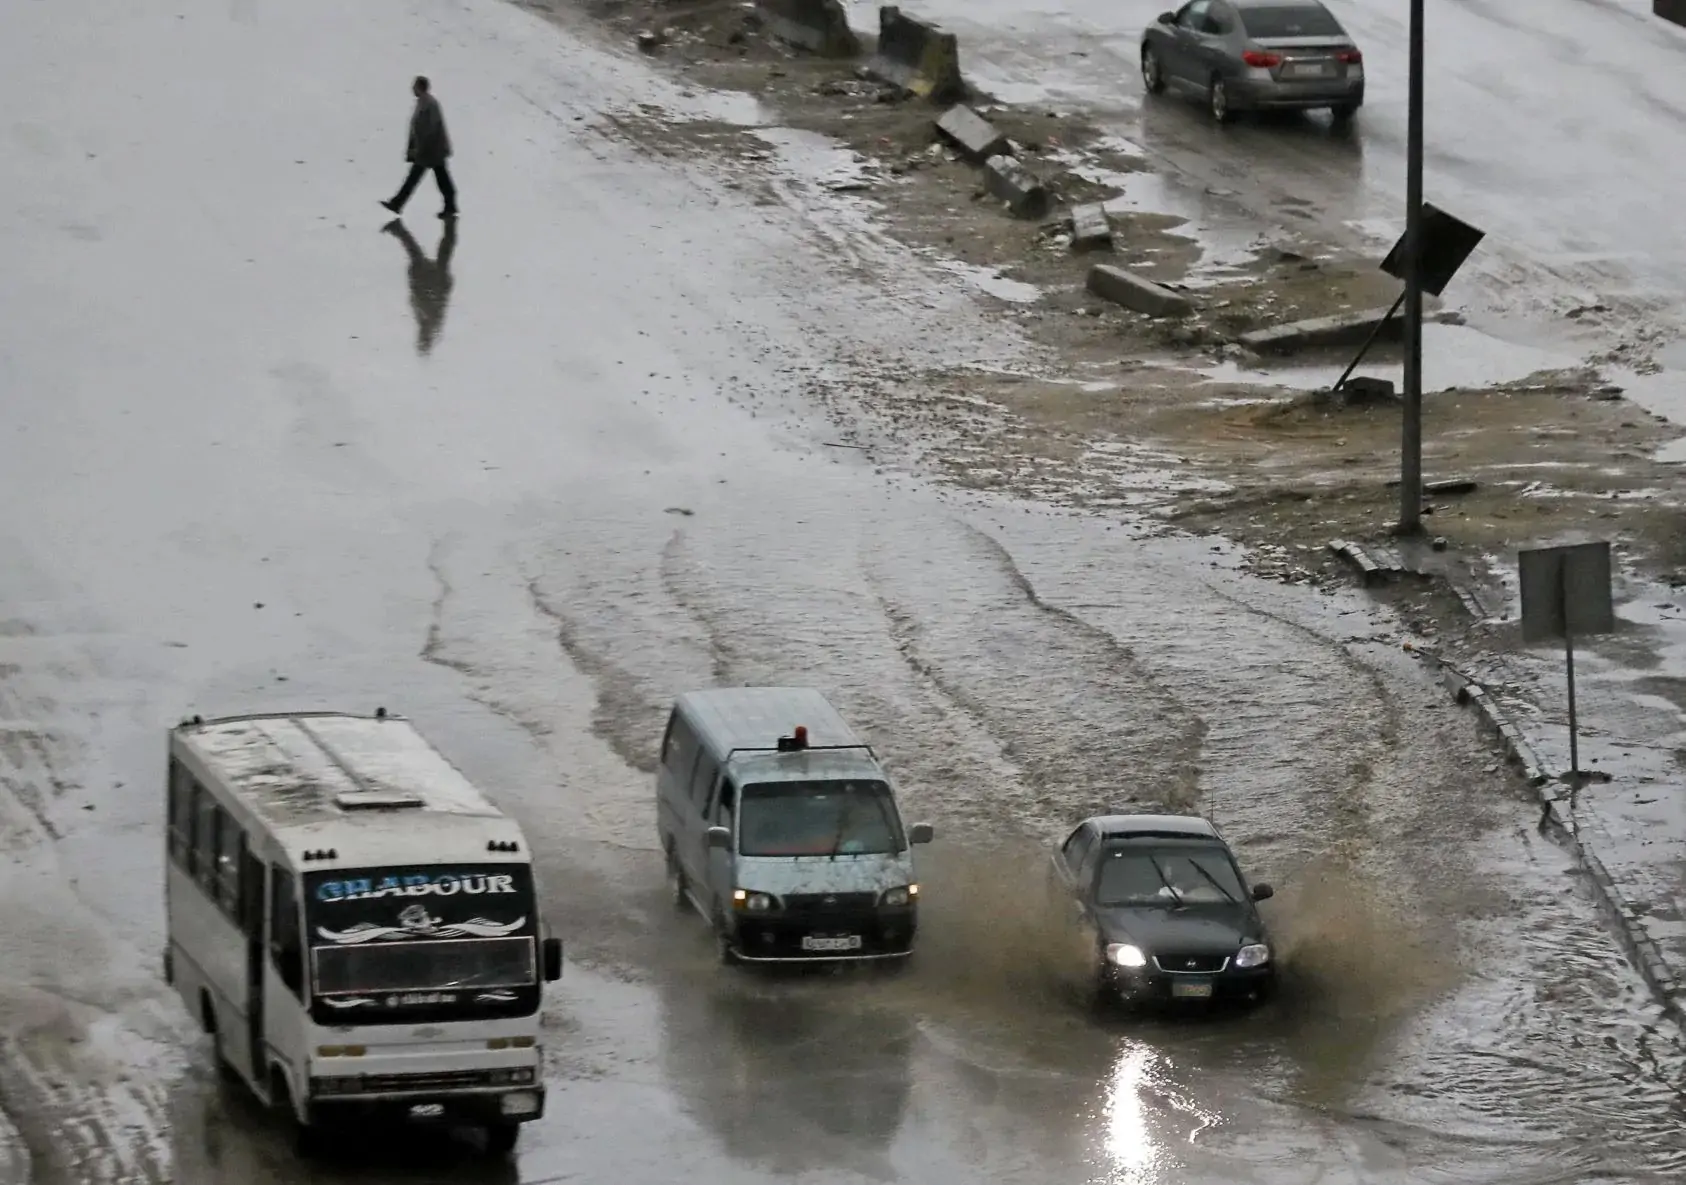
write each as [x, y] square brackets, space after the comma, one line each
[430, 144]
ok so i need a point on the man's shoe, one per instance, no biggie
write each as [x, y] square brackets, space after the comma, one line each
[391, 205]
[447, 213]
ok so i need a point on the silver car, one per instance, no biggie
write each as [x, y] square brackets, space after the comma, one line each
[1255, 55]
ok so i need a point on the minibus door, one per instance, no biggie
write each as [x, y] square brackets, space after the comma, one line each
[254, 895]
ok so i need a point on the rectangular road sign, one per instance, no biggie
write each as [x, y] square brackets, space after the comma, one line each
[1566, 592]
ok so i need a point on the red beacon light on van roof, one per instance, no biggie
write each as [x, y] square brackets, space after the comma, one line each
[796, 741]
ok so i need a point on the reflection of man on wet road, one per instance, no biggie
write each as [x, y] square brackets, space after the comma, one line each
[429, 147]
[430, 280]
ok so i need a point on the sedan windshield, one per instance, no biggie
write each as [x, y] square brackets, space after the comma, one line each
[1182, 875]
[818, 819]
[1290, 20]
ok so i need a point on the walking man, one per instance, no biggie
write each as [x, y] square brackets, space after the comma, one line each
[429, 147]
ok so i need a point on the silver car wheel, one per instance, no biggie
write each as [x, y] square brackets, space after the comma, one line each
[1220, 101]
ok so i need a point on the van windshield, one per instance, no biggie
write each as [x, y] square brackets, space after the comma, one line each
[844, 818]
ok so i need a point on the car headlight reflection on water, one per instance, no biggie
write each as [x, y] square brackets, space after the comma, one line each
[1255, 954]
[1125, 955]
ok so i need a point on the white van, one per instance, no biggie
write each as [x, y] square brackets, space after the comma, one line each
[780, 827]
[354, 924]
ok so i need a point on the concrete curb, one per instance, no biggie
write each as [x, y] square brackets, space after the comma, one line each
[1133, 292]
[1091, 228]
[1342, 329]
[1006, 178]
[972, 135]
[1581, 831]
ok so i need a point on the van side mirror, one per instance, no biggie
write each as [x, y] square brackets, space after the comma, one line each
[1167, 18]
[552, 959]
[720, 837]
[921, 833]
[1263, 892]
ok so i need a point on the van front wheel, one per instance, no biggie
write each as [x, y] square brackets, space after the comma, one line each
[676, 889]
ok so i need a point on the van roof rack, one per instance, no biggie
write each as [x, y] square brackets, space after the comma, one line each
[796, 742]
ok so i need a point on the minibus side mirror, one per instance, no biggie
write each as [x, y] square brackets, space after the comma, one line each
[1263, 892]
[921, 833]
[552, 959]
[720, 837]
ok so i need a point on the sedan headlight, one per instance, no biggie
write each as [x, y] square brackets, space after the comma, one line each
[899, 896]
[754, 902]
[1125, 955]
[1254, 954]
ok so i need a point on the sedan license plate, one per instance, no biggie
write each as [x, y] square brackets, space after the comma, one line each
[427, 1111]
[844, 942]
[1191, 989]
[1306, 70]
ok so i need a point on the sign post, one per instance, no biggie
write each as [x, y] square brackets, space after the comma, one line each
[1566, 594]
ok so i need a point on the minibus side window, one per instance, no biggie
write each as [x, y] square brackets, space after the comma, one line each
[202, 862]
[181, 813]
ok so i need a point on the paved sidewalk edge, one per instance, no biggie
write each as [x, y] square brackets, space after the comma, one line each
[1582, 831]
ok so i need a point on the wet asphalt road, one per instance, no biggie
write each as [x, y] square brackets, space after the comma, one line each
[1557, 128]
[232, 479]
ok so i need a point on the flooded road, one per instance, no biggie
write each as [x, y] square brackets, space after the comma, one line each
[250, 461]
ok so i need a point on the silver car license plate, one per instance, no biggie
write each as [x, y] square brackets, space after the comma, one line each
[843, 942]
[1307, 70]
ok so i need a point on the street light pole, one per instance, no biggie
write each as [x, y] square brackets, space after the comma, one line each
[1411, 434]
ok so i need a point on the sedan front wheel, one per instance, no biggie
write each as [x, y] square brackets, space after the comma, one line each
[1153, 74]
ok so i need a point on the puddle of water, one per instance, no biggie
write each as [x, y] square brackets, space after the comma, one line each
[991, 281]
[1223, 245]
[1663, 395]
[816, 158]
[1453, 356]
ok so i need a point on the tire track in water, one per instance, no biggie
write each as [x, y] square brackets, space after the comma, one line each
[1074, 708]
[942, 761]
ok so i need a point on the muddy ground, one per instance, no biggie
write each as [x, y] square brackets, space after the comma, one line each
[1136, 414]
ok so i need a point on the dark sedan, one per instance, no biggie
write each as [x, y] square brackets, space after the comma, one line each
[1255, 55]
[1162, 911]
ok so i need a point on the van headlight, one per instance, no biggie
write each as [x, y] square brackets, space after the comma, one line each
[753, 902]
[1254, 954]
[899, 896]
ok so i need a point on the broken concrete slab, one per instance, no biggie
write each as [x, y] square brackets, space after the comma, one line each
[1673, 11]
[1091, 228]
[1342, 329]
[1366, 391]
[1009, 180]
[974, 136]
[1134, 292]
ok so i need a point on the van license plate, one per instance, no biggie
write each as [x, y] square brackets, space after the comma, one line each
[427, 1111]
[1197, 989]
[846, 942]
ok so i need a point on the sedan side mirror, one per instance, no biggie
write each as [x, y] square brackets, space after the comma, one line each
[921, 833]
[1167, 18]
[720, 837]
[552, 959]
[1263, 892]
